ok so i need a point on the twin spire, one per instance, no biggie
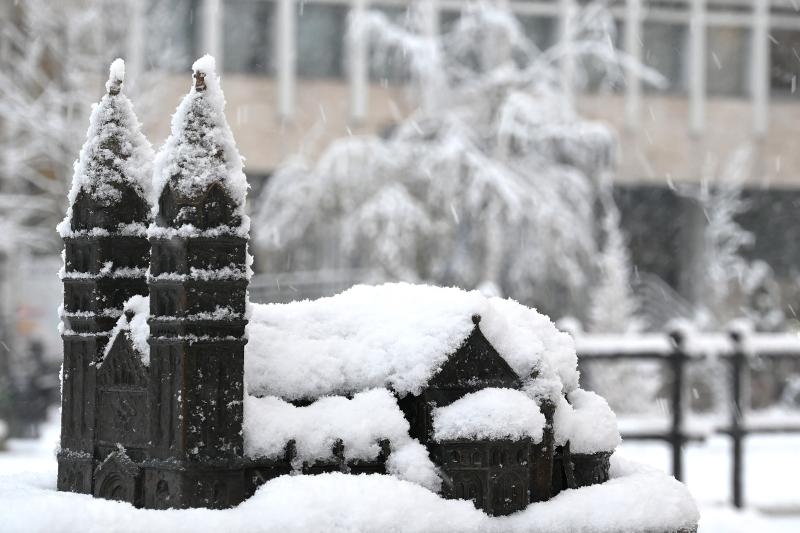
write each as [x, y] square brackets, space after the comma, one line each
[116, 159]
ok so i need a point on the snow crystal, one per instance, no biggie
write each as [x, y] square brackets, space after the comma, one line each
[587, 422]
[194, 158]
[112, 122]
[489, 414]
[137, 329]
[361, 423]
[394, 335]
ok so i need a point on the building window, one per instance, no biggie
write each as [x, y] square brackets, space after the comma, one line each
[172, 33]
[599, 78]
[785, 62]
[447, 19]
[389, 66]
[248, 44]
[321, 32]
[664, 49]
[727, 61]
[542, 31]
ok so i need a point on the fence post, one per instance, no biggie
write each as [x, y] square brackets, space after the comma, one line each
[676, 436]
[737, 432]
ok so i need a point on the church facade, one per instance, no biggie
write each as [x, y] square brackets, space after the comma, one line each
[153, 397]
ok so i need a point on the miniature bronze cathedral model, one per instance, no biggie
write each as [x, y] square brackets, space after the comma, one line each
[177, 392]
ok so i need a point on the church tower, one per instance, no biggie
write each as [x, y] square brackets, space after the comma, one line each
[105, 263]
[198, 291]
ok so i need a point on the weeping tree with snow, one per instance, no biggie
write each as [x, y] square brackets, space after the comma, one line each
[52, 59]
[629, 386]
[491, 181]
[613, 306]
[725, 284]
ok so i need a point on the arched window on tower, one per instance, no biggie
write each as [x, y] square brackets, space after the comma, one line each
[216, 207]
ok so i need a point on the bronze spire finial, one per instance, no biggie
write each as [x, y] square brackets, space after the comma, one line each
[199, 80]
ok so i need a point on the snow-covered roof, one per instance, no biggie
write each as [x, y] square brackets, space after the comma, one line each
[137, 329]
[587, 422]
[200, 149]
[490, 414]
[115, 153]
[395, 335]
[361, 423]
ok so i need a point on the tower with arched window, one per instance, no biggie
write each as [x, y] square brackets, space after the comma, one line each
[197, 320]
[105, 263]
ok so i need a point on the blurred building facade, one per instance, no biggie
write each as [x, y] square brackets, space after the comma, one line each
[731, 69]
[294, 83]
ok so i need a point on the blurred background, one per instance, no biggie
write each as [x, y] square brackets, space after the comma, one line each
[629, 167]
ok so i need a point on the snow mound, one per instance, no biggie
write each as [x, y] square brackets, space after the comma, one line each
[587, 422]
[395, 335]
[101, 171]
[137, 328]
[489, 414]
[361, 423]
[200, 149]
[637, 498]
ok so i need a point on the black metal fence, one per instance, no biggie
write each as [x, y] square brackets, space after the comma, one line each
[678, 349]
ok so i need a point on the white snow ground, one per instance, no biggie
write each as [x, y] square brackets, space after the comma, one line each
[29, 471]
[334, 502]
[772, 468]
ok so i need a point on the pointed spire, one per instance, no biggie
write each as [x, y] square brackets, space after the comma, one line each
[114, 165]
[200, 151]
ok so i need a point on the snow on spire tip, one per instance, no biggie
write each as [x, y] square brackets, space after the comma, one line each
[116, 75]
[206, 64]
[204, 69]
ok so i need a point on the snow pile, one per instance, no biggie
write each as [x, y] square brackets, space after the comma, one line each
[201, 150]
[489, 414]
[397, 336]
[116, 153]
[587, 422]
[637, 498]
[361, 423]
[136, 329]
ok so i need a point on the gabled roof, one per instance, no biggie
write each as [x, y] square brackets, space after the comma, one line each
[122, 365]
[400, 336]
[475, 365]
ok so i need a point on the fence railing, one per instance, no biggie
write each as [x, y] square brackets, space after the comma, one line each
[676, 350]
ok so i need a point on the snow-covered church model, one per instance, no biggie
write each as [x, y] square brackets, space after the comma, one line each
[178, 392]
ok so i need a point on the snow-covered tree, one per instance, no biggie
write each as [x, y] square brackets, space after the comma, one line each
[722, 263]
[629, 386]
[613, 305]
[52, 60]
[720, 269]
[492, 180]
